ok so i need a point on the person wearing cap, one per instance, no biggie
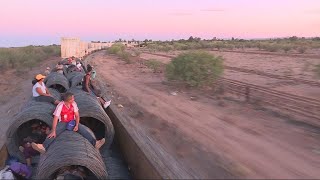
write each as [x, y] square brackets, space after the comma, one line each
[40, 91]
[67, 111]
[47, 71]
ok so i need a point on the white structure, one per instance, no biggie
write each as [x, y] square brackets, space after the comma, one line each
[77, 48]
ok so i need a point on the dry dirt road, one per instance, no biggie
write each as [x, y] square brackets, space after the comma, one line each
[209, 139]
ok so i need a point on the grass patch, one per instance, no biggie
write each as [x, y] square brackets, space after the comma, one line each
[116, 48]
[119, 49]
[155, 65]
[24, 58]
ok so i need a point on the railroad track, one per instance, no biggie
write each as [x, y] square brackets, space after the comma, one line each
[261, 73]
[272, 54]
[304, 106]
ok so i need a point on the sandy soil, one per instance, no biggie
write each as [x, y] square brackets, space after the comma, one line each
[279, 65]
[211, 138]
[15, 92]
[298, 67]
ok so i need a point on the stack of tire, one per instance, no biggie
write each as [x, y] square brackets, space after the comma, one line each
[69, 148]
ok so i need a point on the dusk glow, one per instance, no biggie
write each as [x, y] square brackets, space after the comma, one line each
[44, 22]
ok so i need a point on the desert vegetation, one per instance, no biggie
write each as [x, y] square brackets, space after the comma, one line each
[24, 58]
[195, 68]
[119, 49]
[155, 65]
[292, 44]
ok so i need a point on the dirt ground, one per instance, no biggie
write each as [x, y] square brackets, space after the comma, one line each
[16, 89]
[210, 137]
[296, 67]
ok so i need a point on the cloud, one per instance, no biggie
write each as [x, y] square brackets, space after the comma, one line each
[212, 10]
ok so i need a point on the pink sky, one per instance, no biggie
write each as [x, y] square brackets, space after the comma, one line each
[44, 21]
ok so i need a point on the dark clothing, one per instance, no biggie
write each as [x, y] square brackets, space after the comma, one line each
[48, 99]
[28, 152]
[34, 81]
[85, 82]
[62, 126]
[71, 68]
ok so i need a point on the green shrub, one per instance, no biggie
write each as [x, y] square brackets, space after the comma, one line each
[204, 44]
[286, 48]
[116, 48]
[152, 47]
[180, 46]
[195, 68]
[272, 47]
[155, 65]
[219, 45]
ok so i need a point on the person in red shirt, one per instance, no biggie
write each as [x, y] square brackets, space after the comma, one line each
[66, 112]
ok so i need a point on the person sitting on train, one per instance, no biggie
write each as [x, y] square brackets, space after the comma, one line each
[40, 91]
[66, 117]
[79, 67]
[59, 68]
[47, 71]
[27, 151]
[86, 86]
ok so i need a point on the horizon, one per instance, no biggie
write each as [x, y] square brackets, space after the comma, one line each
[45, 22]
[225, 39]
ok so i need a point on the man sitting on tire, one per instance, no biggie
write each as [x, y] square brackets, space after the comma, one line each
[67, 112]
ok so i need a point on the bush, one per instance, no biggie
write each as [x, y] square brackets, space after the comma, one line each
[180, 46]
[219, 45]
[286, 48]
[116, 48]
[152, 47]
[155, 65]
[195, 68]
[272, 47]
